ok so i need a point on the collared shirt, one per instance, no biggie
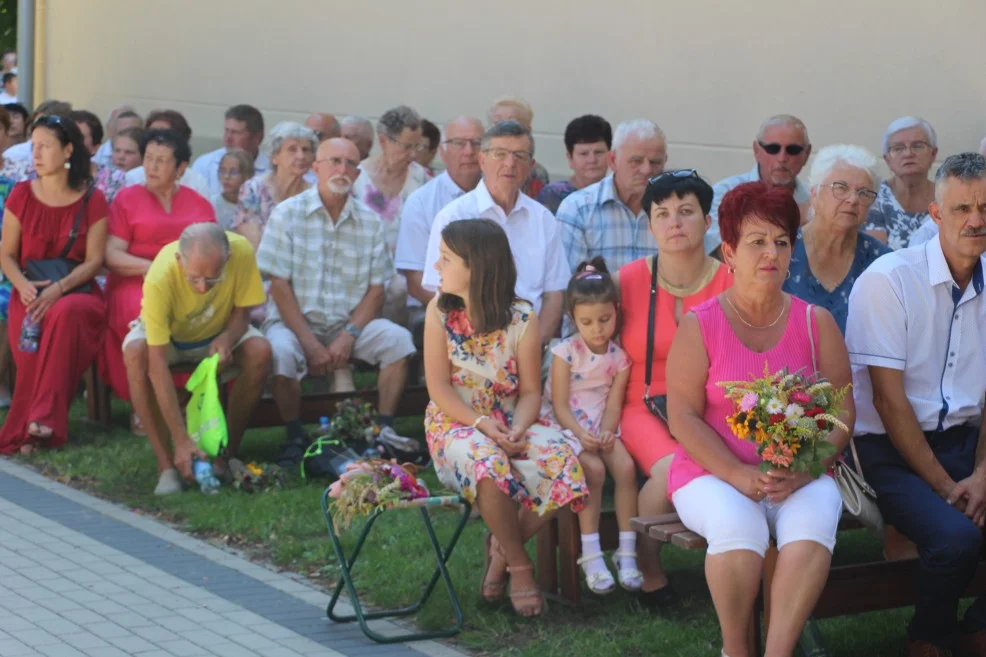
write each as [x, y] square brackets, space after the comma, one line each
[207, 166]
[594, 221]
[104, 154]
[533, 235]
[189, 179]
[803, 284]
[925, 233]
[420, 210]
[712, 238]
[330, 264]
[906, 313]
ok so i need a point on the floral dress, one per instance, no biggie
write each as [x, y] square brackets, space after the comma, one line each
[547, 475]
[390, 209]
[886, 214]
[590, 380]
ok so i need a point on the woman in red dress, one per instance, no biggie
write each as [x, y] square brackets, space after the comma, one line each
[143, 219]
[37, 223]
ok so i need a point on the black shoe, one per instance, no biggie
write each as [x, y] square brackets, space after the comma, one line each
[293, 452]
[657, 599]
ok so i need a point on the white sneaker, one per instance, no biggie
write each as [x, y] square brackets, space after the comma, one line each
[168, 483]
[390, 437]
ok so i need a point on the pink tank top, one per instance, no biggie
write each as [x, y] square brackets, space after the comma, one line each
[731, 360]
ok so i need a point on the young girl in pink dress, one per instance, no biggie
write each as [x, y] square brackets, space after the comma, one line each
[583, 396]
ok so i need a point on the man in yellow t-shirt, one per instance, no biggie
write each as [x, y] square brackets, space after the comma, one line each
[197, 298]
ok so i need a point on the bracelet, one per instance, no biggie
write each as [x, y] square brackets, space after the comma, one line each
[61, 290]
[475, 424]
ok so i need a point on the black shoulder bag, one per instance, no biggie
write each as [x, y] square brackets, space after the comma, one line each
[658, 404]
[55, 269]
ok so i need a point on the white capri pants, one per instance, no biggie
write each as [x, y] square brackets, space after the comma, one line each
[381, 343]
[729, 520]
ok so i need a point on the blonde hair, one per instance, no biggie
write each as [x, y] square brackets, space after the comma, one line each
[514, 102]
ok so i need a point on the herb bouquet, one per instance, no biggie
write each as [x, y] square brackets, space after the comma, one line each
[372, 484]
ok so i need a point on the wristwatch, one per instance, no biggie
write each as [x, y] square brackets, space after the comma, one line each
[353, 330]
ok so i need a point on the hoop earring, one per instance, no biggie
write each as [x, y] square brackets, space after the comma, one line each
[731, 269]
[788, 275]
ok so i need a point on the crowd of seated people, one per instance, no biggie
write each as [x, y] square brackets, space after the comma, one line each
[296, 252]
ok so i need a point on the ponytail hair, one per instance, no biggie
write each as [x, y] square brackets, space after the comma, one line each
[591, 284]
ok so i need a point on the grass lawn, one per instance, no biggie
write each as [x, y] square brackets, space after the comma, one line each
[286, 528]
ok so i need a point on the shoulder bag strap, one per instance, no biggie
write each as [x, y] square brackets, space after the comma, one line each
[75, 225]
[814, 365]
[649, 356]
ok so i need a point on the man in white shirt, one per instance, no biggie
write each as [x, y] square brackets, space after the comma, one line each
[243, 129]
[459, 150]
[505, 158]
[122, 117]
[170, 120]
[917, 345]
[781, 150]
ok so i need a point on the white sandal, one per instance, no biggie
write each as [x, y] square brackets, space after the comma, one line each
[631, 579]
[600, 582]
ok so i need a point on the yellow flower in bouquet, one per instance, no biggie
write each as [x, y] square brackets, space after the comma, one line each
[788, 416]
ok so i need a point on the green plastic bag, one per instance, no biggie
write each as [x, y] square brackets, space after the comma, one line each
[206, 422]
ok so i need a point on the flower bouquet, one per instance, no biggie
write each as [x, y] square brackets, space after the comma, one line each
[258, 478]
[372, 484]
[788, 415]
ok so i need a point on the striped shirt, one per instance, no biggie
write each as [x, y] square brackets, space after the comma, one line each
[330, 264]
[594, 221]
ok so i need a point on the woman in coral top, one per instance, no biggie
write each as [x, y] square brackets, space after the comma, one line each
[678, 203]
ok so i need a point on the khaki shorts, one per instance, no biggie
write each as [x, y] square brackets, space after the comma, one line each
[189, 356]
[382, 343]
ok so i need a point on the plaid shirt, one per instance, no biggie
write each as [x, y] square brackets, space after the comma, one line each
[594, 221]
[330, 265]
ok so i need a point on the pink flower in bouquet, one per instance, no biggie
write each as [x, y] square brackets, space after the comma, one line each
[749, 402]
[335, 490]
[800, 397]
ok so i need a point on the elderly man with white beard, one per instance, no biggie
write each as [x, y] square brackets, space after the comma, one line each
[327, 258]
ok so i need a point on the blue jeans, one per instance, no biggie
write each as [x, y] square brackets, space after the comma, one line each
[948, 542]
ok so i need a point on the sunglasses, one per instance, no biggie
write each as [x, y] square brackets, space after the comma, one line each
[674, 173]
[49, 121]
[790, 149]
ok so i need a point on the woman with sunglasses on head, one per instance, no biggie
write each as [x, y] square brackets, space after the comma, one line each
[910, 146]
[681, 276]
[39, 237]
[144, 218]
[831, 252]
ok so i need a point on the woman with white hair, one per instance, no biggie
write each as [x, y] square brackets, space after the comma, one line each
[292, 149]
[910, 146]
[830, 252]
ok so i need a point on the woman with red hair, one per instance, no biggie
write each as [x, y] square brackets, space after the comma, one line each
[715, 481]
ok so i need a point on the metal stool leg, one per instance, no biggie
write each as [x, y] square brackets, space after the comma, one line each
[442, 556]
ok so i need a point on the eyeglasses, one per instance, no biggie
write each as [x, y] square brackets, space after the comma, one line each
[841, 191]
[674, 173]
[916, 147]
[502, 153]
[459, 144]
[417, 148]
[790, 149]
[229, 173]
[339, 161]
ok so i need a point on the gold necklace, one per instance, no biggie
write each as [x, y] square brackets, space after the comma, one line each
[752, 326]
[683, 291]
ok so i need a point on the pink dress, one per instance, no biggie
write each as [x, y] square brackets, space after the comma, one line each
[590, 381]
[731, 360]
[137, 217]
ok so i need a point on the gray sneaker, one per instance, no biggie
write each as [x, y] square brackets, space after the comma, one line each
[168, 483]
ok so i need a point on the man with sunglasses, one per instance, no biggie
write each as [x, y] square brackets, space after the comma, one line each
[197, 298]
[781, 150]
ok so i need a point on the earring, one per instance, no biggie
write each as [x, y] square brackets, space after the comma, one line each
[731, 269]
[788, 275]
[68, 165]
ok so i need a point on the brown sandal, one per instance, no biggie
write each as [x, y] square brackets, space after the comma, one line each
[491, 591]
[529, 610]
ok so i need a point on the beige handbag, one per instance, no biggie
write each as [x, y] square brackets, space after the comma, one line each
[858, 497]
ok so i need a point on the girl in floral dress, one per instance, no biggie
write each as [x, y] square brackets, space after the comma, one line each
[482, 364]
[584, 397]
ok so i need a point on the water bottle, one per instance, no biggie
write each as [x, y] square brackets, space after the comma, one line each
[208, 483]
[30, 336]
[323, 423]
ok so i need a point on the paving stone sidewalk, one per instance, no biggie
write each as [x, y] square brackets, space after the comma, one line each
[81, 577]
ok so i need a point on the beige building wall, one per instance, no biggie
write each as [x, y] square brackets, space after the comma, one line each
[707, 71]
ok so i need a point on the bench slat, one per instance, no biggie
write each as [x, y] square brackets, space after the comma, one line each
[688, 540]
[665, 532]
[642, 524]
